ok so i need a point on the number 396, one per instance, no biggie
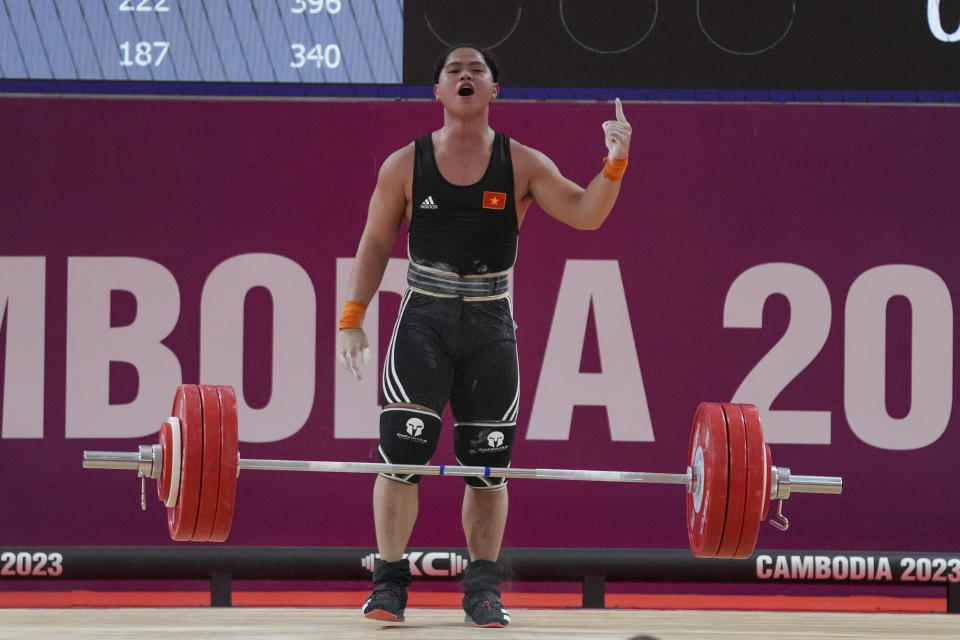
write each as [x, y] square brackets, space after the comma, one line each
[316, 6]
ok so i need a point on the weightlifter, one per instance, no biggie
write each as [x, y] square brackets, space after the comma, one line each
[463, 190]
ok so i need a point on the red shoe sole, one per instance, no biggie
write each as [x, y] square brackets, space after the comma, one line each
[384, 616]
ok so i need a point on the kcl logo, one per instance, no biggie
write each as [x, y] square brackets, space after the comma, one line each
[430, 563]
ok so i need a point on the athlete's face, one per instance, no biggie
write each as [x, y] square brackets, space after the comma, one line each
[465, 80]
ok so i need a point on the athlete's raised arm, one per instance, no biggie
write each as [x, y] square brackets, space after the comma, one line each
[565, 200]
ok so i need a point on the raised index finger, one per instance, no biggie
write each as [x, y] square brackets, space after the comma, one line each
[620, 116]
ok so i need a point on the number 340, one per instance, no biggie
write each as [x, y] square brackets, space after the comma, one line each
[323, 56]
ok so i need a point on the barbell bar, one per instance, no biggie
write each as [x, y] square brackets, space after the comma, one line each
[144, 463]
[730, 479]
[139, 462]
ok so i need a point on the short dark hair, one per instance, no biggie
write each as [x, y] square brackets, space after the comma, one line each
[488, 59]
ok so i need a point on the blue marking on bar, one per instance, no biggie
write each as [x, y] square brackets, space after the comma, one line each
[442, 467]
[486, 473]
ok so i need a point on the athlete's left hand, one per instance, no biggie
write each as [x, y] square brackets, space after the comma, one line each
[616, 134]
[353, 349]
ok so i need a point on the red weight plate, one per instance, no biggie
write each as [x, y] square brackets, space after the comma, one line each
[757, 473]
[229, 463]
[767, 498]
[707, 458]
[182, 519]
[737, 483]
[166, 448]
[210, 487]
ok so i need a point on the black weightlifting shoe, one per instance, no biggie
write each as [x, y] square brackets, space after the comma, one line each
[386, 604]
[388, 601]
[484, 609]
[481, 599]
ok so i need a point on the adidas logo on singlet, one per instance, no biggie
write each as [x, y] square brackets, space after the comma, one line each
[428, 203]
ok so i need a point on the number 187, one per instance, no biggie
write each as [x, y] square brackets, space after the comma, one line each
[143, 54]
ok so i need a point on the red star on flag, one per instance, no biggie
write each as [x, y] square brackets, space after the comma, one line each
[494, 200]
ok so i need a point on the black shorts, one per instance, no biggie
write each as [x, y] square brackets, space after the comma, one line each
[449, 349]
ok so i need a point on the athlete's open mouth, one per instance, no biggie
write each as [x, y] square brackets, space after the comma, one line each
[465, 90]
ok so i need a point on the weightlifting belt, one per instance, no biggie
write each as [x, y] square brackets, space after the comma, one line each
[449, 285]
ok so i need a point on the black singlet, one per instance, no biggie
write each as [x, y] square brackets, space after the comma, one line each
[463, 229]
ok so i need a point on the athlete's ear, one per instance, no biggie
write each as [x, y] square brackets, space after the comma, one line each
[435, 96]
[496, 89]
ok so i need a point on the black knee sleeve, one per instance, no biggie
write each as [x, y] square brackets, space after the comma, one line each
[484, 444]
[407, 436]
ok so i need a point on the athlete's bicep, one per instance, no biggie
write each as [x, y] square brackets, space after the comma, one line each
[384, 217]
[385, 214]
[388, 203]
[557, 195]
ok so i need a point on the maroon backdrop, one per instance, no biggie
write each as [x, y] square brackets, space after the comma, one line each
[713, 190]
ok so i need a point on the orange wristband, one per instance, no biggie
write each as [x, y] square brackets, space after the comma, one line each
[614, 168]
[352, 316]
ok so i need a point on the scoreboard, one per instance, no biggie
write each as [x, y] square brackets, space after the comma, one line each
[248, 41]
[388, 47]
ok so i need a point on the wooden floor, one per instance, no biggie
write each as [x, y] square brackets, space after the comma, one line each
[446, 624]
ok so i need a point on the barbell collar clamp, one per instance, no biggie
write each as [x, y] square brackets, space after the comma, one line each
[147, 461]
[783, 483]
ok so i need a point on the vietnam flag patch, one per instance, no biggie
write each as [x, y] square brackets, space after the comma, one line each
[494, 200]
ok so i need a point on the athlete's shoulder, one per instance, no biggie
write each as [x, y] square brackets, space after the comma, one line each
[399, 163]
[527, 160]
[404, 153]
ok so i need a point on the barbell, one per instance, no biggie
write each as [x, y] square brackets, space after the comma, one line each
[730, 478]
